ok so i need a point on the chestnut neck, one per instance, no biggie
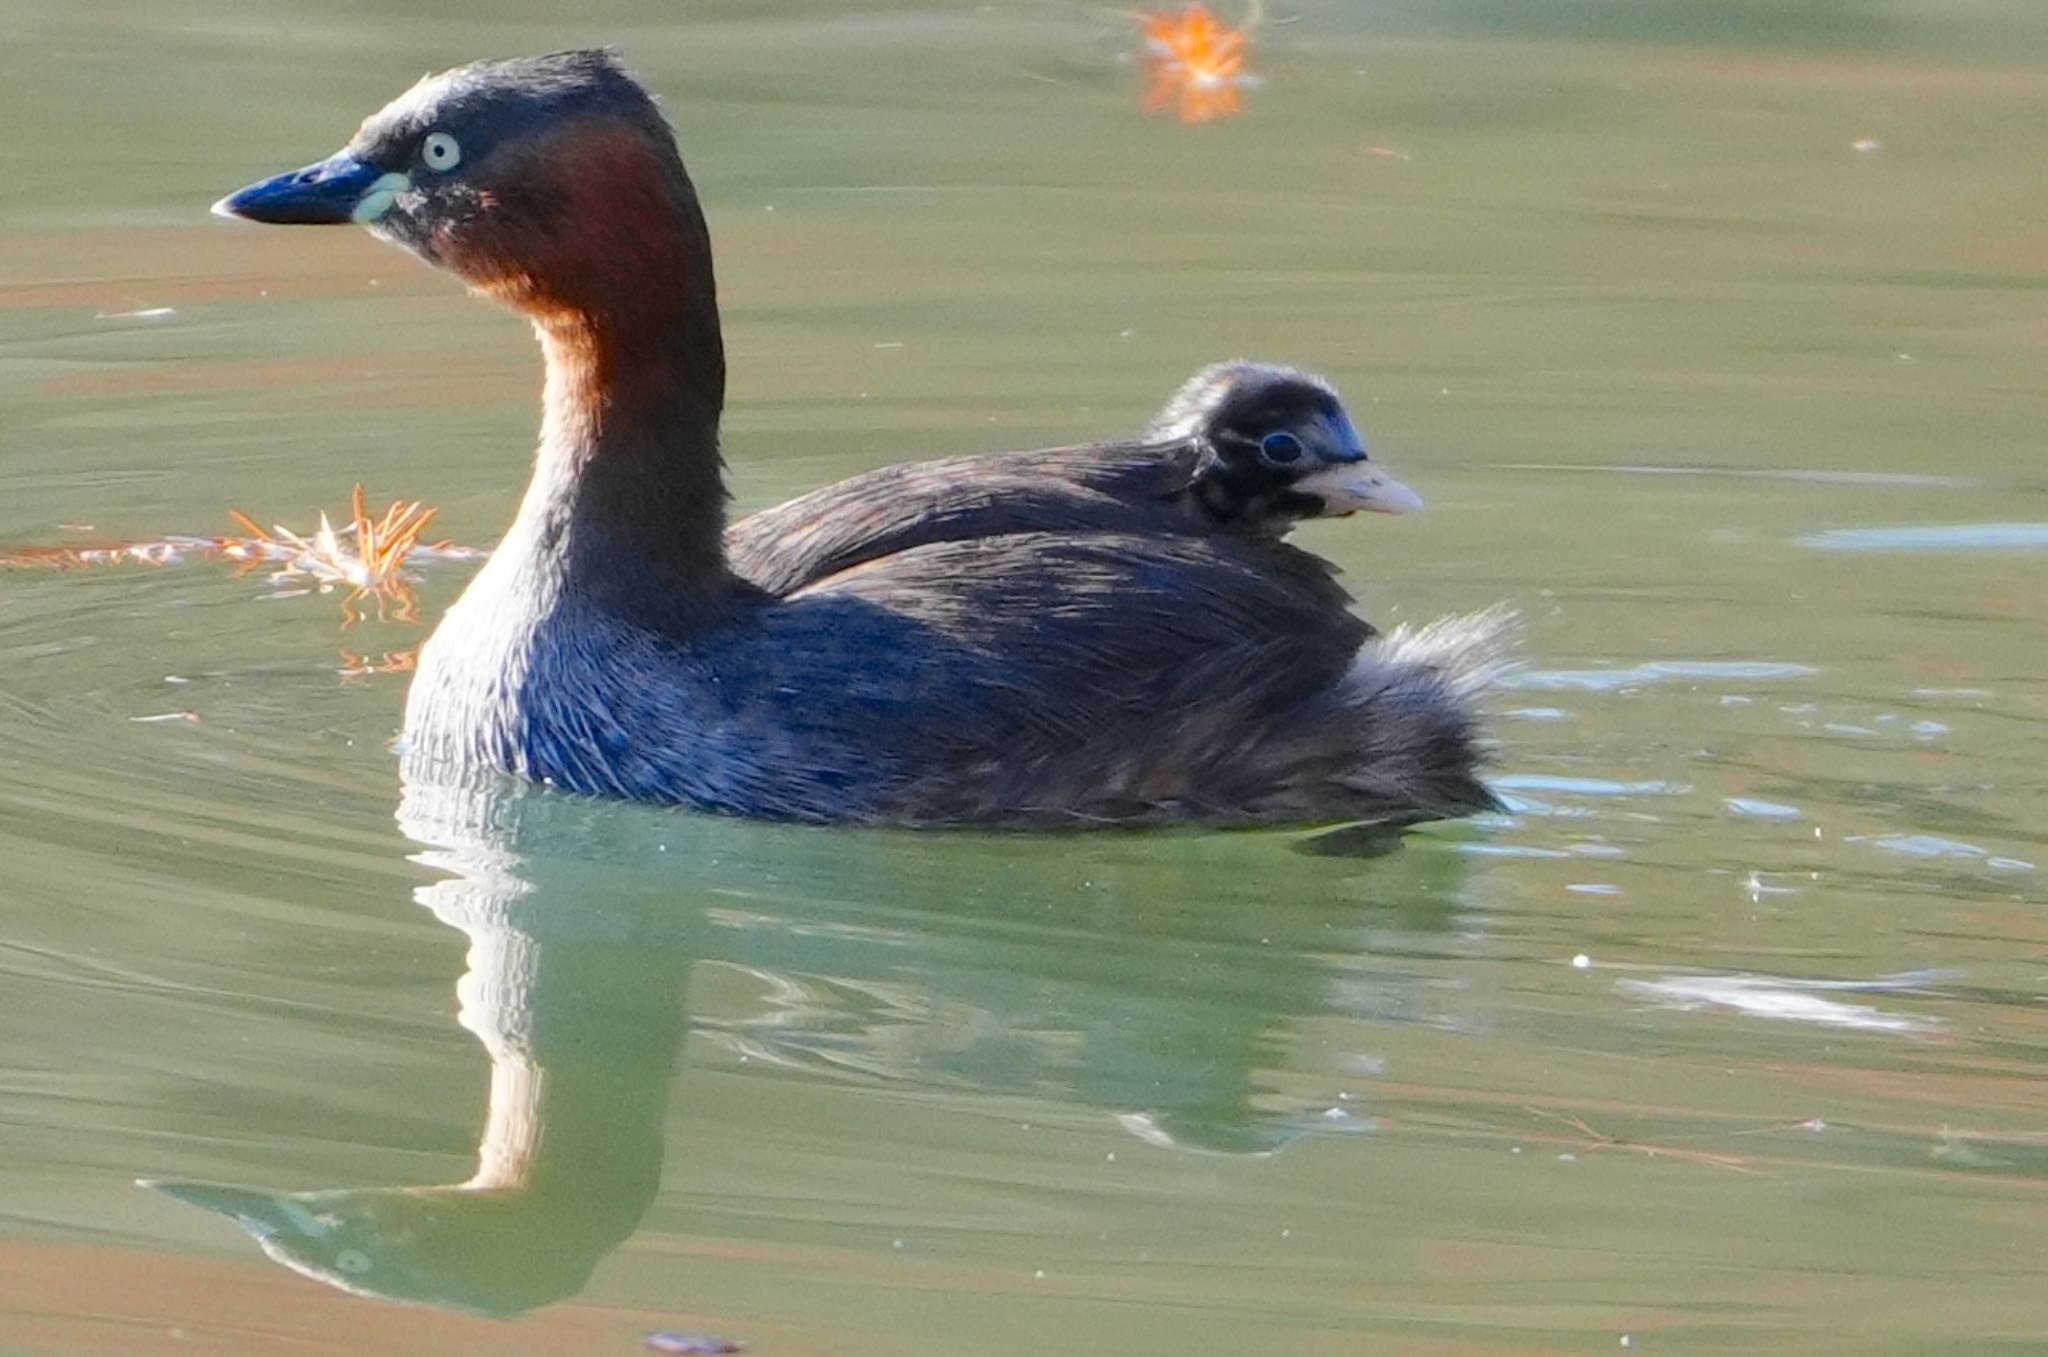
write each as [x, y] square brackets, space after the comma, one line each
[627, 504]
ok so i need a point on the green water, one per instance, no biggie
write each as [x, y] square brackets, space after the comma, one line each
[1747, 422]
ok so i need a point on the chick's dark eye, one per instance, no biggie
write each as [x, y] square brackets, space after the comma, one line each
[1280, 448]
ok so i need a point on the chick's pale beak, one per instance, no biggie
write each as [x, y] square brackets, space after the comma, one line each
[1350, 486]
[1348, 482]
[334, 192]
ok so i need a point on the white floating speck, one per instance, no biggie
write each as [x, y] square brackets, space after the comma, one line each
[1582, 962]
[1758, 888]
[1593, 888]
[1866, 146]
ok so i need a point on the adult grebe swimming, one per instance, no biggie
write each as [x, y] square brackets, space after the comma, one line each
[1104, 673]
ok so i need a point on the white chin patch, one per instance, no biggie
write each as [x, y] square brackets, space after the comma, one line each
[377, 199]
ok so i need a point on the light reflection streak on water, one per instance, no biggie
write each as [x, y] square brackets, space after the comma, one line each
[1653, 671]
[1932, 537]
[1788, 1000]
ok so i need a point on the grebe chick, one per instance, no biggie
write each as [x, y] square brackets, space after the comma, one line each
[1090, 677]
[1279, 447]
[1241, 447]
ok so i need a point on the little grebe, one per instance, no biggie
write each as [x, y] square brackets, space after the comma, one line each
[1242, 447]
[1107, 674]
[1278, 447]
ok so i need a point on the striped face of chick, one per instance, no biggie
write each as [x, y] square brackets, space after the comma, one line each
[1278, 447]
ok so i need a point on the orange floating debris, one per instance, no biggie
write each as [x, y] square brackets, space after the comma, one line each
[1196, 64]
[368, 556]
[392, 662]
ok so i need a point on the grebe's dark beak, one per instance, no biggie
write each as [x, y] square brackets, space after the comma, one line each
[339, 190]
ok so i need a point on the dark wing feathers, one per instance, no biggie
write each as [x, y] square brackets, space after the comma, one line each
[1133, 487]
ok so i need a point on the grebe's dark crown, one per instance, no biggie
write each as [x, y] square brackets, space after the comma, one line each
[1240, 395]
[492, 102]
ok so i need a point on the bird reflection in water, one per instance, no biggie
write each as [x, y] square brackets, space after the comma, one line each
[1146, 976]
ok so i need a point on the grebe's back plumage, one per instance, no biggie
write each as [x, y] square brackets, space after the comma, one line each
[1138, 488]
[1036, 675]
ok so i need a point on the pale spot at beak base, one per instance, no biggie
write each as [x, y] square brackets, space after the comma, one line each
[377, 199]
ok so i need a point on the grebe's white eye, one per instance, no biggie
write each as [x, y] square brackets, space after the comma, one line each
[440, 152]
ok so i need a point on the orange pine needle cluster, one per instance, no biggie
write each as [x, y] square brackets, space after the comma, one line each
[1196, 64]
[369, 565]
[368, 556]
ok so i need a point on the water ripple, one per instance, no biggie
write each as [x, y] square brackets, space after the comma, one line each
[1932, 537]
[1761, 809]
[1787, 1000]
[1937, 846]
[1586, 786]
[1653, 671]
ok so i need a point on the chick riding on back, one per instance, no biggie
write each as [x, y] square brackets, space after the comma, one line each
[1242, 447]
